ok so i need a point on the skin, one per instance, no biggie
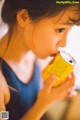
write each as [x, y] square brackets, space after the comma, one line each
[43, 38]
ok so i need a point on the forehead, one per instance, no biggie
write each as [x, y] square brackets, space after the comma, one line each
[68, 16]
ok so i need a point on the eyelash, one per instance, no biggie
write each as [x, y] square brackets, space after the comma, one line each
[60, 30]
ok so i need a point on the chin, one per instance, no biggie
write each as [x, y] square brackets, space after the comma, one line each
[53, 54]
[42, 56]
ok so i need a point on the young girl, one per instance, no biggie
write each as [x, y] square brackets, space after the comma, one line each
[41, 27]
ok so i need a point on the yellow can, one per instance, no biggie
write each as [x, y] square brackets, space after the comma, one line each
[62, 66]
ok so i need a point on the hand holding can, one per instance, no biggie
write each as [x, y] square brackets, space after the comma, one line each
[62, 66]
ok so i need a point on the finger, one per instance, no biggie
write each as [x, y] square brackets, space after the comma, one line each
[71, 94]
[68, 95]
[49, 83]
[70, 80]
[71, 75]
[63, 87]
[61, 90]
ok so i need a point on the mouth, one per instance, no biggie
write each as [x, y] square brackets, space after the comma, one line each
[54, 54]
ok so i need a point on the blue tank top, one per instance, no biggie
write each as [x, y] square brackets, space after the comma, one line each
[22, 100]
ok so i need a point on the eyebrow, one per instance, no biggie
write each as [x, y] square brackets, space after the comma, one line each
[72, 21]
[75, 21]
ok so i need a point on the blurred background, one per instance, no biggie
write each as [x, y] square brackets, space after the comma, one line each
[68, 109]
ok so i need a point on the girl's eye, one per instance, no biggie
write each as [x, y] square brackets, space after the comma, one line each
[60, 30]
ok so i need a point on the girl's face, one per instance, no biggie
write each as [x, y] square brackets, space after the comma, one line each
[47, 35]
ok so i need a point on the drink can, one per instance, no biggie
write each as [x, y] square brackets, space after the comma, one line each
[62, 65]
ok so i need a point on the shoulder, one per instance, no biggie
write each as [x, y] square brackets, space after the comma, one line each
[4, 89]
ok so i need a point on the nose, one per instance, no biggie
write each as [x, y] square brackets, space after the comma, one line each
[62, 42]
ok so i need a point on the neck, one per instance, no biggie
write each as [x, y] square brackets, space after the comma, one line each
[16, 48]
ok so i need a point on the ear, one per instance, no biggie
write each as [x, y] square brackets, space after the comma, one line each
[22, 17]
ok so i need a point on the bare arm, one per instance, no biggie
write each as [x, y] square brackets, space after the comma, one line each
[4, 93]
[2, 105]
[35, 112]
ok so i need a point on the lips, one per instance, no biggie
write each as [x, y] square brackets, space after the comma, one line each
[54, 54]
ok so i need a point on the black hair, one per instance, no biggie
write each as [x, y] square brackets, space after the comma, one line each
[36, 9]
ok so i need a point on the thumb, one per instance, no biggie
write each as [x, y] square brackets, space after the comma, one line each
[50, 82]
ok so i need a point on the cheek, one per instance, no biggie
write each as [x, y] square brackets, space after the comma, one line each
[28, 35]
[44, 39]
